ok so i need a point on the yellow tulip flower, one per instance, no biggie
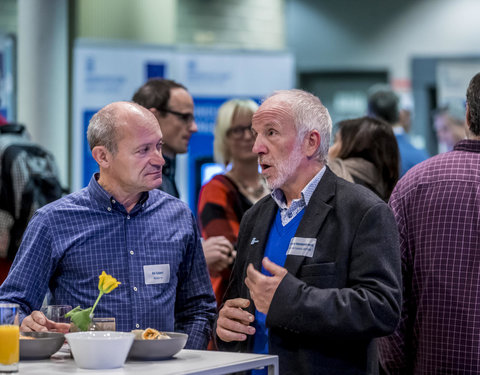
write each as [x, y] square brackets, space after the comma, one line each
[107, 283]
[83, 317]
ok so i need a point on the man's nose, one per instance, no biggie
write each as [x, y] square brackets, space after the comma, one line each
[259, 146]
[158, 159]
[193, 127]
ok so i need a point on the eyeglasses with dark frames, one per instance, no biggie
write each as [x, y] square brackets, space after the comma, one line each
[185, 117]
[238, 132]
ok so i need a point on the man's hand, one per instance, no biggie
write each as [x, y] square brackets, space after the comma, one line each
[262, 287]
[36, 321]
[219, 253]
[233, 322]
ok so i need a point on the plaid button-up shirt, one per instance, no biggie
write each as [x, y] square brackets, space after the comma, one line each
[437, 208]
[69, 242]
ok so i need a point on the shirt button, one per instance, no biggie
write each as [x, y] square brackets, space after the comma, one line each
[135, 288]
[128, 217]
[137, 325]
[131, 252]
[113, 201]
[109, 208]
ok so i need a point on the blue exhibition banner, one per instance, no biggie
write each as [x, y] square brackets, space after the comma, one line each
[155, 70]
[90, 166]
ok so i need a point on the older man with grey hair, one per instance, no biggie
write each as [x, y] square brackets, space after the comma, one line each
[317, 275]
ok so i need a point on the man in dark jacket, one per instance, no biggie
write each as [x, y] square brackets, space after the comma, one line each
[317, 274]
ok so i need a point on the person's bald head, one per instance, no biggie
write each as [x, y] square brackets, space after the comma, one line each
[105, 126]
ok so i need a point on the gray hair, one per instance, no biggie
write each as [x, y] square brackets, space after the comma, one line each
[225, 116]
[309, 114]
[102, 129]
[104, 125]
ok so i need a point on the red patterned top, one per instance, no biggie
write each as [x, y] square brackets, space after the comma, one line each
[221, 206]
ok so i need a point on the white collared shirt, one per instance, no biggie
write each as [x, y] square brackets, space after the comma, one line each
[297, 205]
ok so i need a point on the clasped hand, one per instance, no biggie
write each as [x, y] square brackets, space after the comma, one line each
[233, 322]
[219, 254]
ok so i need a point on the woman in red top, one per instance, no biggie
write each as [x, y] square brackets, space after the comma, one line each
[225, 198]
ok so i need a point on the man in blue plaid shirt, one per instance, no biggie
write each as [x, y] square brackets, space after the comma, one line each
[121, 224]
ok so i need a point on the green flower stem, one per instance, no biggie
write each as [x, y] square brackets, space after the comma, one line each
[95, 304]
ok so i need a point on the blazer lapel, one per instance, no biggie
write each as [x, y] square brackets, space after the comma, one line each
[261, 229]
[315, 214]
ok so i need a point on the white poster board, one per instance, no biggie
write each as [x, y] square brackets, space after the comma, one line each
[104, 73]
[452, 81]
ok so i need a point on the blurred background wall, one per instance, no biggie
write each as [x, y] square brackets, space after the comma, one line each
[340, 48]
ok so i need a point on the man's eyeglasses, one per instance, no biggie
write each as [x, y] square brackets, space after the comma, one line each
[238, 132]
[185, 117]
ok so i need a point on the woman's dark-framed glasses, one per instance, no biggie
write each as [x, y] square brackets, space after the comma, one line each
[185, 117]
[238, 132]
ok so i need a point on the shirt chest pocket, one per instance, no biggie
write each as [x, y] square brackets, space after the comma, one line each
[320, 275]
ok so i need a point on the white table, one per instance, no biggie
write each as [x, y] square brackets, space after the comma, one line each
[185, 362]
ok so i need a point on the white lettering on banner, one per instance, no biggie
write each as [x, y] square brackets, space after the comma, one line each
[302, 246]
[157, 273]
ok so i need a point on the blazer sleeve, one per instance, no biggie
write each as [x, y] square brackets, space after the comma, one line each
[367, 306]
[236, 284]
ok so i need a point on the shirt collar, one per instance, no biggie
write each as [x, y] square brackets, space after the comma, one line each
[105, 198]
[470, 145]
[306, 194]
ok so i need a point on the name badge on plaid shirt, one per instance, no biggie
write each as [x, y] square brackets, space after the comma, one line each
[302, 246]
[157, 274]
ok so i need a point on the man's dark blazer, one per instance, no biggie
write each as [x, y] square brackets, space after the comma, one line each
[328, 309]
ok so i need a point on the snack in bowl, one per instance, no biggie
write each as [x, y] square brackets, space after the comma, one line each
[40, 345]
[149, 334]
[152, 345]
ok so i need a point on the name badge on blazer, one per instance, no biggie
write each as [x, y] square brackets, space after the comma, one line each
[157, 273]
[302, 246]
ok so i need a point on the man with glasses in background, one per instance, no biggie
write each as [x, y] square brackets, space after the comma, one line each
[173, 107]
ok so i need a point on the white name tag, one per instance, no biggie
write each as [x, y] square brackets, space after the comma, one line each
[157, 274]
[302, 246]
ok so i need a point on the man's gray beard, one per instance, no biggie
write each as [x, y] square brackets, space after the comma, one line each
[286, 168]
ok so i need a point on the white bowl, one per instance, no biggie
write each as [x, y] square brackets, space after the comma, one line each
[100, 349]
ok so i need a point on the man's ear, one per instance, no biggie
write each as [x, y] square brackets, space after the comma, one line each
[312, 143]
[101, 156]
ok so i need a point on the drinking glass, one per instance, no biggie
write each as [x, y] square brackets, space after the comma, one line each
[9, 338]
[102, 324]
[57, 313]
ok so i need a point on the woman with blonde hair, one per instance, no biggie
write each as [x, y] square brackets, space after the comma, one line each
[226, 197]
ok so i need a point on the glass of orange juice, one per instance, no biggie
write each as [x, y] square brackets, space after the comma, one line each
[9, 337]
